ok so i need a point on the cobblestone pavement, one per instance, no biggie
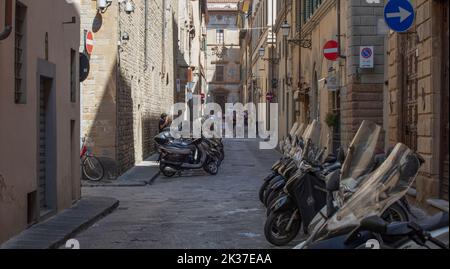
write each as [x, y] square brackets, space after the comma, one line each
[192, 211]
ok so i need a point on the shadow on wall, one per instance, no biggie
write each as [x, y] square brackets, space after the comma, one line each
[180, 66]
[125, 151]
[114, 120]
[99, 118]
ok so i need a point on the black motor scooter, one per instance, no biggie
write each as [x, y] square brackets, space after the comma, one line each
[176, 155]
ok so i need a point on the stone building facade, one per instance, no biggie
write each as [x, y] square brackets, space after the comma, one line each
[131, 80]
[39, 112]
[417, 101]
[262, 64]
[190, 49]
[357, 93]
[223, 51]
[406, 90]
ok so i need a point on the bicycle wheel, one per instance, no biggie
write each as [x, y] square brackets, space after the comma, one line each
[93, 169]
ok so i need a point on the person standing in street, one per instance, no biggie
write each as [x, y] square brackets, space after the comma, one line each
[164, 122]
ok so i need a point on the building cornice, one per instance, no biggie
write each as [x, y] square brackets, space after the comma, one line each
[224, 83]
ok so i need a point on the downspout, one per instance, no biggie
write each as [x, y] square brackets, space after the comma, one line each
[300, 24]
[8, 20]
[145, 35]
[339, 29]
[117, 82]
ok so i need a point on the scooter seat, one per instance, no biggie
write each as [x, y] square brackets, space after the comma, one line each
[181, 144]
[435, 222]
[179, 148]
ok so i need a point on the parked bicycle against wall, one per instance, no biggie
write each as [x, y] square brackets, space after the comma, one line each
[91, 166]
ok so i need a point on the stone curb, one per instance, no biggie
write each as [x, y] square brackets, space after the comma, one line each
[122, 183]
[54, 232]
[131, 178]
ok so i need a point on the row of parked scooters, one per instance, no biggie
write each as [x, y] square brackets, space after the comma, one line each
[182, 154]
[347, 199]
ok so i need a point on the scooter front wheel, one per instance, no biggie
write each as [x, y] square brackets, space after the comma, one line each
[275, 229]
[211, 167]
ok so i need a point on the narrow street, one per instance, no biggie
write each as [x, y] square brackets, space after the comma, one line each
[192, 211]
[353, 93]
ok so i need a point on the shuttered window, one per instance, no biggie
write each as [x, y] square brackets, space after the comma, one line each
[19, 56]
[219, 73]
[73, 76]
[220, 39]
[309, 8]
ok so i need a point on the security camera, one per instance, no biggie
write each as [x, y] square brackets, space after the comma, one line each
[129, 7]
[102, 5]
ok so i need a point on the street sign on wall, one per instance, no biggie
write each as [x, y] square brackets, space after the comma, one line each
[331, 50]
[84, 67]
[366, 57]
[178, 85]
[332, 82]
[89, 43]
[399, 15]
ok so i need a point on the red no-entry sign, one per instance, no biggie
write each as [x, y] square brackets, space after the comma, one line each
[89, 42]
[331, 50]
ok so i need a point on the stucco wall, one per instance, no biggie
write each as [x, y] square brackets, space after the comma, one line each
[19, 132]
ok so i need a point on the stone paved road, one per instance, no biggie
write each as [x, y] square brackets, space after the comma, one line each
[192, 211]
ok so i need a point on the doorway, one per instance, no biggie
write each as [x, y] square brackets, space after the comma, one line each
[46, 147]
[409, 89]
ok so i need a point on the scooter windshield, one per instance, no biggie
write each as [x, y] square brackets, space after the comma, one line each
[293, 129]
[360, 157]
[384, 187]
[300, 130]
[312, 140]
[312, 133]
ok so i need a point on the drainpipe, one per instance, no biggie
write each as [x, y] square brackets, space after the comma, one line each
[146, 35]
[339, 28]
[299, 30]
[8, 20]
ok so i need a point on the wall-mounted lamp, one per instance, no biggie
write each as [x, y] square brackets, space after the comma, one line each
[262, 52]
[285, 28]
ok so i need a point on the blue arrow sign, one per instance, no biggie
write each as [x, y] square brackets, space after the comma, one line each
[399, 15]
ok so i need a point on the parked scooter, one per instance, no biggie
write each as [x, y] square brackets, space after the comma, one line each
[314, 158]
[291, 148]
[297, 199]
[188, 154]
[360, 220]
[305, 194]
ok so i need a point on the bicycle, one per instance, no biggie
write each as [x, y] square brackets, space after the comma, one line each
[91, 166]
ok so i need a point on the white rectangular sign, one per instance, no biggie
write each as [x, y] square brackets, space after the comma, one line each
[366, 56]
[178, 85]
